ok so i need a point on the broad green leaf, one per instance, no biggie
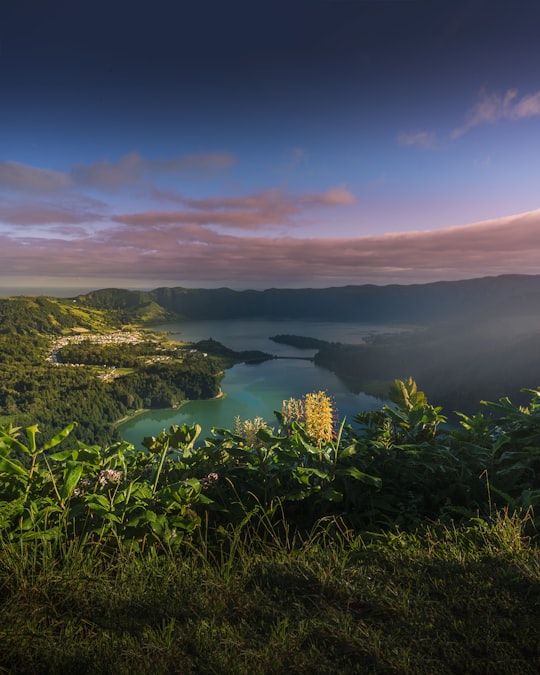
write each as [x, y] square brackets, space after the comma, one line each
[55, 440]
[355, 473]
[97, 500]
[72, 474]
[348, 451]
[184, 435]
[31, 435]
[12, 466]
[14, 443]
[64, 454]
[265, 434]
[311, 471]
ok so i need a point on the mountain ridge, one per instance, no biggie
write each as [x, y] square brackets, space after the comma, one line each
[394, 302]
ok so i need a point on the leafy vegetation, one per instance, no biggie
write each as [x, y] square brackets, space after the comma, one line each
[417, 303]
[35, 390]
[397, 468]
[457, 362]
[395, 546]
[50, 316]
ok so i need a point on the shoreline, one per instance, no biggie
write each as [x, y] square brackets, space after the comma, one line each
[140, 411]
[129, 416]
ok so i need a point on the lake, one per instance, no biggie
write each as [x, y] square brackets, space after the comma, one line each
[259, 389]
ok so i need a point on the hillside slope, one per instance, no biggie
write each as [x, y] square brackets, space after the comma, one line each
[412, 303]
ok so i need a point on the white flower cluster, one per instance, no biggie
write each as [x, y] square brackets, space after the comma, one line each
[109, 476]
[209, 480]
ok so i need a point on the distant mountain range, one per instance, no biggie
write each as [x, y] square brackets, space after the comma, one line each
[400, 303]
[473, 339]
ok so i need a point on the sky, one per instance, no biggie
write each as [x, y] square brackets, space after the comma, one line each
[307, 143]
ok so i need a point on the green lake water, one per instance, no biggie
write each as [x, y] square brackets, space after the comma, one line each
[258, 390]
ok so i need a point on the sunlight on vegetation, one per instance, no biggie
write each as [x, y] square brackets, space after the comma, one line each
[339, 546]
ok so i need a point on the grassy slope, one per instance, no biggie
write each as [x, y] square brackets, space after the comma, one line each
[51, 316]
[448, 601]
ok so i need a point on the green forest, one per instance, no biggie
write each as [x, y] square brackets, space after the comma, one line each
[94, 382]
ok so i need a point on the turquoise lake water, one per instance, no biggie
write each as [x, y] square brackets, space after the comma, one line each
[258, 390]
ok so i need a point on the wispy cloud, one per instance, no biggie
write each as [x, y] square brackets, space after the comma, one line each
[110, 176]
[44, 214]
[132, 169]
[488, 109]
[425, 139]
[249, 212]
[492, 107]
[26, 178]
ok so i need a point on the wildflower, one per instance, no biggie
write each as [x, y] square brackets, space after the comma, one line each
[82, 487]
[293, 410]
[209, 480]
[109, 476]
[316, 412]
[248, 430]
[319, 412]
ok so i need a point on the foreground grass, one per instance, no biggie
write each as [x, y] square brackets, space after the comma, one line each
[444, 601]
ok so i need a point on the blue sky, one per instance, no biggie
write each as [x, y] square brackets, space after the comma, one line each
[251, 145]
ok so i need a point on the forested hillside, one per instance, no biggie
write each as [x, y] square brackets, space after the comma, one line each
[413, 303]
[50, 316]
[94, 374]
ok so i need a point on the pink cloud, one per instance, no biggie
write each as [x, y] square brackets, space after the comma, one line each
[493, 107]
[191, 252]
[245, 220]
[529, 106]
[44, 214]
[266, 208]
[109, 176]
[130, 170]
[276, 199]
[338, 196]
[133, 168]
[25, 178]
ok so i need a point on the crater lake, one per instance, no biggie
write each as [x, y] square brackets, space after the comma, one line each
[257, 390]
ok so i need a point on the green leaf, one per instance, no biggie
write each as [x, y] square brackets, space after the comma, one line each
[72, 474]
[265, 434]
[14, 443]
[97, 500]
[355, 473]
[331, 495]
[55, 440]
[12, 467]
[185, 435]
[348, 451]
[31, 435]
[311, 471]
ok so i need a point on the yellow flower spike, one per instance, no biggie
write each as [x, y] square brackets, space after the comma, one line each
[319, 417]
